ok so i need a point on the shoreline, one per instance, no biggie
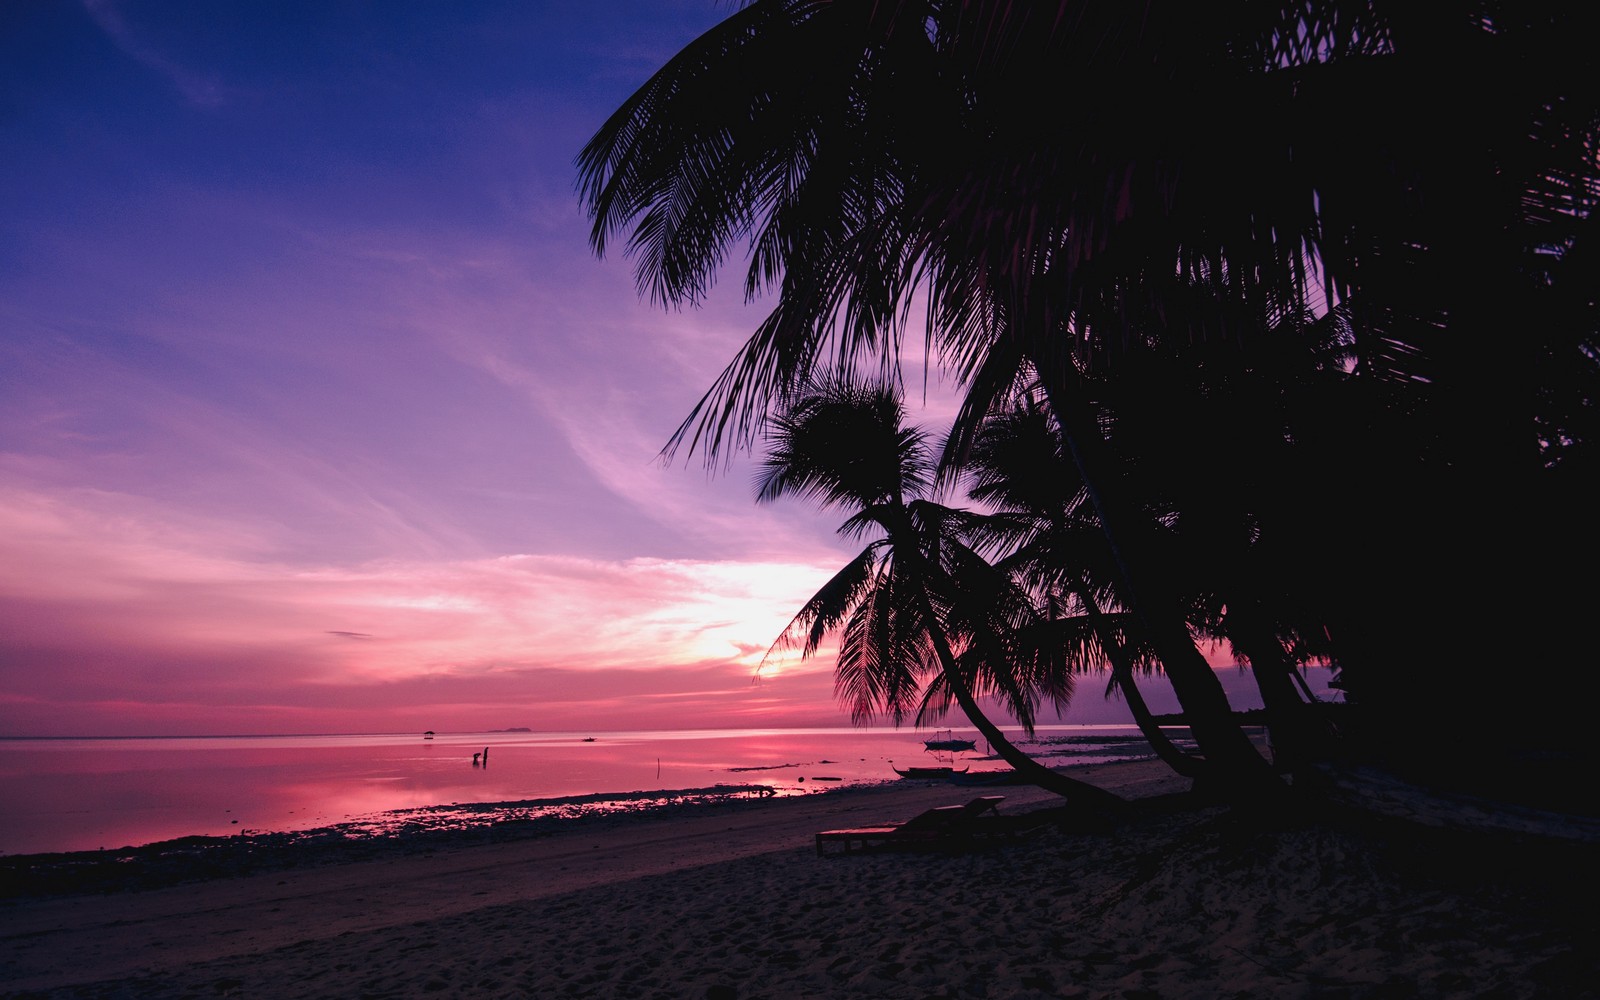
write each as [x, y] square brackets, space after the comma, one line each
[1179, 900]
[94, 796]
[200, 857]
[412, 829]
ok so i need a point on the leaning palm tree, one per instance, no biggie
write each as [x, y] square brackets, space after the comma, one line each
[1198, 169]
[868, 152]
[1227, 483]
[922, 620]
[1042, 524]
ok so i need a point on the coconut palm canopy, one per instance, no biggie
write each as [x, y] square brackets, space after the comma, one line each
[922, 617]
[1307, 288]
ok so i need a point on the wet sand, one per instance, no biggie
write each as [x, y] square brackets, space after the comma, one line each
[1178, 900]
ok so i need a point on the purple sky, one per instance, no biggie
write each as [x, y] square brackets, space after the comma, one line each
[316, 412]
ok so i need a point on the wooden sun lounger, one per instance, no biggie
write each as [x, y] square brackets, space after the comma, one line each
[941, 824]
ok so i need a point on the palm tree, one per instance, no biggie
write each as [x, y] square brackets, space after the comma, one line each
[921, 617]
[836, 169]
[1185, 186]
[1042, 524]
[1227, 482]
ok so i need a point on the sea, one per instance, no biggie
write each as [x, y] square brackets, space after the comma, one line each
[92, 794]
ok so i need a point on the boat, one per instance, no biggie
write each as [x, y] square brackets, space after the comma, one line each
[428, 735]
[943, 772]
[949, 742]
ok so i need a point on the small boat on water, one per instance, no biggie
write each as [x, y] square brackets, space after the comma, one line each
[948, 742]
[942, 772]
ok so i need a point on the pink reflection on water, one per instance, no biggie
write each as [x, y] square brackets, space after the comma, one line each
[66, 795]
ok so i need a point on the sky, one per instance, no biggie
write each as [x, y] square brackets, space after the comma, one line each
[317, 412]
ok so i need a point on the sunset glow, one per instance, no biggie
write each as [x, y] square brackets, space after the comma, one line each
[320, 415]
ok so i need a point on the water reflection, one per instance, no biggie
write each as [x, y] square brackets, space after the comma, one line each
[89, 794]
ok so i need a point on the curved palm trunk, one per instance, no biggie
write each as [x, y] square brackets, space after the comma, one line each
[1234, 768]
[1071, 789]
[1287, 717]
[1160, 742]
[905, 540]
[1122, 673]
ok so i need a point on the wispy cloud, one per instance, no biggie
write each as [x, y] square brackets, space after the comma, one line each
[197, 88]
[144, 608]
[332, 420]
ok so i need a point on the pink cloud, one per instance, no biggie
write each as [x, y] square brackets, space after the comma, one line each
[105, 610]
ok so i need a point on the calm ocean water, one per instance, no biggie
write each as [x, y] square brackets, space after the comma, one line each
[87, 794]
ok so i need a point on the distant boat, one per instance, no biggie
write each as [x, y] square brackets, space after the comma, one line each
[943, 772]
[428, 735]
[949, 742]
[588, 739]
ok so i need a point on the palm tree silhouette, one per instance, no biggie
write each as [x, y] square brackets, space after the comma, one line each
[1184, 186]
[849, 143]
[1042, 523]
[921, 617]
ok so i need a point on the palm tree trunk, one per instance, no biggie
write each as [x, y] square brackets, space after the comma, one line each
[1122, 673]
[1288, 717]
[1071, 789]
[1235, 768]
[904, 538]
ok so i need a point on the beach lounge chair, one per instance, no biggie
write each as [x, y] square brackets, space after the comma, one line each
[941, 825]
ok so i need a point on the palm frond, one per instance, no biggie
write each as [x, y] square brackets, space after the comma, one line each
[884, 654]
[830, 606]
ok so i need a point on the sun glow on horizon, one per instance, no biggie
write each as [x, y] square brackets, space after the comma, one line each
[364, 438]
[349, 631]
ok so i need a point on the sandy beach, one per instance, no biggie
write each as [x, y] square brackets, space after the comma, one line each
[1178, 900]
